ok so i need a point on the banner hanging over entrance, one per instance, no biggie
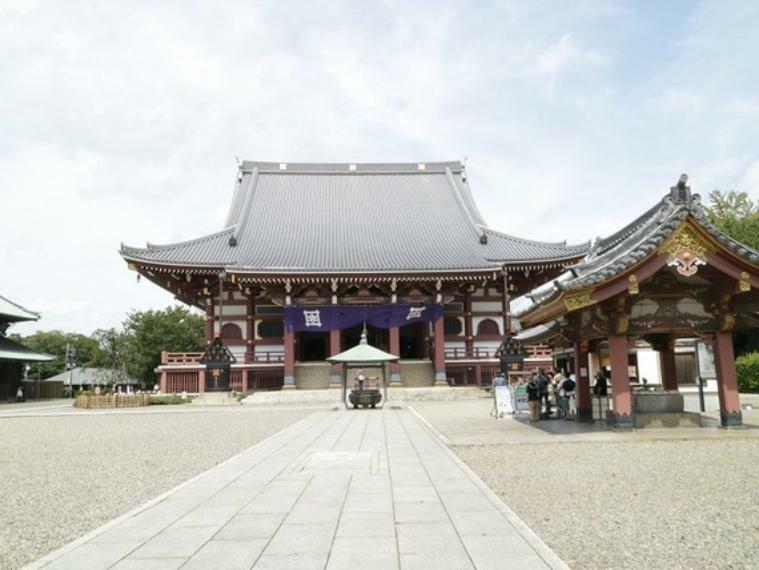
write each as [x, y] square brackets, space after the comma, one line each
[338, 317]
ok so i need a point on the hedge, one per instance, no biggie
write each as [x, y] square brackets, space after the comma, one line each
[747, 368]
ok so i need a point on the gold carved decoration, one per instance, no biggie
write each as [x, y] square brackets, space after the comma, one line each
[632, 285]
[743, 283]
[687, 250]
[578, 301]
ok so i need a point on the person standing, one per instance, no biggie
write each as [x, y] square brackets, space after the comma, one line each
[533, 398]
[568, 389]
[543, 386]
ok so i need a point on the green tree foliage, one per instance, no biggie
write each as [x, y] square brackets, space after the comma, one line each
[736, 214]
[111, 355]
[147, 333]
[54, 343]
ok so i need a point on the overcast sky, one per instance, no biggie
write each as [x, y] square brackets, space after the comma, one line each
[121, 121]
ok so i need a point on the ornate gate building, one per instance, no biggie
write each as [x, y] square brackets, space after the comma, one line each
[668, 275]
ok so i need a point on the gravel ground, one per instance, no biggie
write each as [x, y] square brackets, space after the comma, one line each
[62, 476]
[655, 504]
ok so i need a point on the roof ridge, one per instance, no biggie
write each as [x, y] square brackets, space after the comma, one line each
[419, 167]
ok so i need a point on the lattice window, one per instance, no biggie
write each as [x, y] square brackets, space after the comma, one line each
[488, 327]
[231, 330]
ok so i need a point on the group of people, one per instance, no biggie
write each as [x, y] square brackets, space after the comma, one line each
[544, 392]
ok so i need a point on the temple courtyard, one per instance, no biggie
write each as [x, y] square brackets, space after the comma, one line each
[415, 485]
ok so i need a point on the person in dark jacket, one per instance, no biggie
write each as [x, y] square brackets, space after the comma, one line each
[533, 397]
[600, 388]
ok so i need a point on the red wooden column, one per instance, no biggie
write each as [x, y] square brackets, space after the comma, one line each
[335, 380]
[202, 381]
[727, 380]
[289, 359]
[582, 379]
[439, 357]
[468, 341]
[250, 330]
[395, 348]
[164, 382]
[209, 322]
[668, 366]
[620, 382]
[244, 380]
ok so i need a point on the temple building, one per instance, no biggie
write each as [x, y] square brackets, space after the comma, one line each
[310, 254]
[668, 278]
[14, 357]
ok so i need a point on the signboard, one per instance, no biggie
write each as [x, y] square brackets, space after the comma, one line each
[217, 377]
[520, 399]
[503, 403]
[511, 364]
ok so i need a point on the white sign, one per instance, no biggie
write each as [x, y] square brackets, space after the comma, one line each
[503, 404]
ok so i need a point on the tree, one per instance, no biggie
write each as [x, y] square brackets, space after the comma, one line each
[147, 333]
[54, 343]
[736, 214]
[111, 357]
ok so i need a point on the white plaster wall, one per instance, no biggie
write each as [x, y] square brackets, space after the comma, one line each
[648, 365]
[487, 345]
[232, 310]
[261, 348]
[239, 323]
[487, 306]
[239, 352]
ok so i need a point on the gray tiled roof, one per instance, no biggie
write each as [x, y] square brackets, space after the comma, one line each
[12, 312]
[362, 217]
[620, 251]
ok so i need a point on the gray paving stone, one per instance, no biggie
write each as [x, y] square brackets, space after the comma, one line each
[311, 512]
[150, 564]
[292, 562]
[495, 552]
[363, 553]
[208, 516]
[301, 539]
[366, 525]
[420, 538]
[251, 526]
[368, 502]
[438, 561]
[227, 555]
[93, 556]
[175, 541]
[420, 512]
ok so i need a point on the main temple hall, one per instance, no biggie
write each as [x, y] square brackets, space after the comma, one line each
[311, 255]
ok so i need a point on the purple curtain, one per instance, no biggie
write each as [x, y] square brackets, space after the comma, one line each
[338, 317]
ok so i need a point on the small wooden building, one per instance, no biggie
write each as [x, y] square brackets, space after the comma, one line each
[669, 274]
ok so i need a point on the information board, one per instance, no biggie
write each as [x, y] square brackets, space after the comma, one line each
[503, 403]
[520, 398]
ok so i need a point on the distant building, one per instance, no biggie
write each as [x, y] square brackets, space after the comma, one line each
[14, 356]
[86, 378]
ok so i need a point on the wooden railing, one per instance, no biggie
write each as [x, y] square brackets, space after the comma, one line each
[186, 358]
[458, 353]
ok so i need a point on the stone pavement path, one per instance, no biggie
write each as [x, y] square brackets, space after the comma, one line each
[340, 489]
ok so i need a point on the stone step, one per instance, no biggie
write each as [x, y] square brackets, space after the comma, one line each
[393, 394]
[668, 420]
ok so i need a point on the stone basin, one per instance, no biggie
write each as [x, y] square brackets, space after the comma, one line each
[658, 403]
[366, 398]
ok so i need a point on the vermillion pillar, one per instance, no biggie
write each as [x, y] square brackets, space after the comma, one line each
[468, 340]
[250, 332]
[335, 377]
[582, 379]
[289, 359]
[727, 380]
[439, 357]
[395, 349]
[620, 383]
[668, 366]
[209, 323]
